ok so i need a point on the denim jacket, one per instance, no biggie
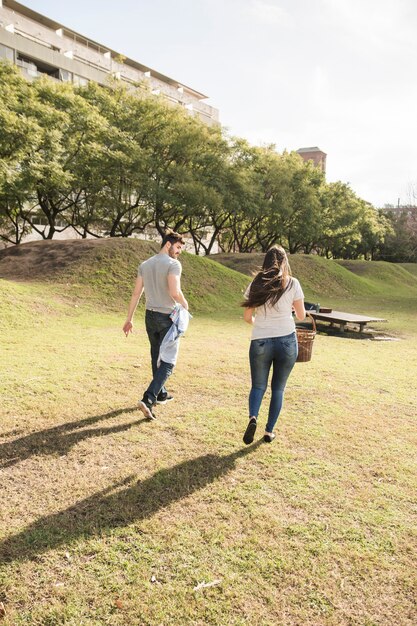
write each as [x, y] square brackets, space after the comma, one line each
[168, 352]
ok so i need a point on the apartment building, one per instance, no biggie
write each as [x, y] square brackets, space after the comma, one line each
[38, 45]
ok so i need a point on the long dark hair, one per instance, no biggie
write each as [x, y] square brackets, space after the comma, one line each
[271, 281]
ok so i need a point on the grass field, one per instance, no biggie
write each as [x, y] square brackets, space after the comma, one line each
[107, 518]
[410, 267]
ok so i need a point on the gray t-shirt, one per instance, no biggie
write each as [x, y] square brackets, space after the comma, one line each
[277, 321]
[154, 272]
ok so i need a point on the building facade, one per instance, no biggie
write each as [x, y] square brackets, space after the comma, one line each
[314, 154]
[38, 45]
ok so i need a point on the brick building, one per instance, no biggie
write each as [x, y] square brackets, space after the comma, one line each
[314, 154]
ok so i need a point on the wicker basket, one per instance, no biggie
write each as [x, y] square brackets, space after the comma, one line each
[305, 338]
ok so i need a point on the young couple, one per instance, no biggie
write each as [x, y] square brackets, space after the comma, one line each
[270, 300]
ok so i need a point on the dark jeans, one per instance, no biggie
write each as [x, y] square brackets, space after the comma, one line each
[157, 325]
[281, 353]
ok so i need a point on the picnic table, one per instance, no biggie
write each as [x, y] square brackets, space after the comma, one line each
[341, 318]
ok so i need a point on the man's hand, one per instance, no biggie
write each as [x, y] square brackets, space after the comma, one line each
[127, 328]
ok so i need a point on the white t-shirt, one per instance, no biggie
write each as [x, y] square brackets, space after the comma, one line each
[276, 321]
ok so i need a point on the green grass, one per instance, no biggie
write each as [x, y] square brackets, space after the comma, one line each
[102, 272]
[331, 281]
[110, 519]
[319, 276]
[106, 276]
[410, 267]
[383, 277]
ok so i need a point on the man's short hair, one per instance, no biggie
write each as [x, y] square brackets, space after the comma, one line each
[172, 237]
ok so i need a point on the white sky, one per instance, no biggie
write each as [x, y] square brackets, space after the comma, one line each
[338, 74]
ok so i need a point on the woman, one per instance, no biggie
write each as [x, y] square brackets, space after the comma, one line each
[270, 300]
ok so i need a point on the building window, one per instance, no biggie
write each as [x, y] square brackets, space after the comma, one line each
[80, 81]
[65, 76]
[27, 64]
[6, 53]
[34, 68]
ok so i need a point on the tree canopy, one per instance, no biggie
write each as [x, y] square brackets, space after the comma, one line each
[117, 161]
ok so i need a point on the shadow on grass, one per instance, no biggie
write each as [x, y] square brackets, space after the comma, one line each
[121, 504]
[59, 440]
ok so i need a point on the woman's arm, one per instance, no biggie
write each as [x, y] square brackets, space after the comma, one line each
[299, 309]
[248, 315]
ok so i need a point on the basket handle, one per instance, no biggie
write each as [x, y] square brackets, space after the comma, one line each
[312, 320]
[313, 323]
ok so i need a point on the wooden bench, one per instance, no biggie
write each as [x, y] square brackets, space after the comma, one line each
[341, 318]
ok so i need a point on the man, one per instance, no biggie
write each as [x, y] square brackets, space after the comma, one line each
[160, 278]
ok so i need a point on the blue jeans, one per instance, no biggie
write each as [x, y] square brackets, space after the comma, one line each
[281, 353]
[157, 325]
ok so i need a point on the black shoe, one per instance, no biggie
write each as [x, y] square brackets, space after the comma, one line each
[269, 438]
[163, 398]
[250, 431]
[146, 410]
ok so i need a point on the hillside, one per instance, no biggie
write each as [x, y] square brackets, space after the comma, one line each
[380, 274]
[322, 278]
[103, 271]
[410, 267]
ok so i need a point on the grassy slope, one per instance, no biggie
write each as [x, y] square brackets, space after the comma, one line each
[326, 278]
[372, 288]
[385, 278]
[410, 267]
[319, 277]
[103, 272]
[315, 530]
[111, 271]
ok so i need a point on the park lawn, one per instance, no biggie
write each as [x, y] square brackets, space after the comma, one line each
[110, 519]
[410, 267]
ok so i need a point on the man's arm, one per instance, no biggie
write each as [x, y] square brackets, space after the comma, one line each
[137, 292]
[174, 289]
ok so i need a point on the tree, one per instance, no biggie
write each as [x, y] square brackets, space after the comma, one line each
[116, 161]
[295, 207]
[19, 136]
[186, 175]
[400, 244]
[279, 202]
[58, 170]
[48, 174]
[374, 227]
[118, 181]
[245, 198]
[342, 211]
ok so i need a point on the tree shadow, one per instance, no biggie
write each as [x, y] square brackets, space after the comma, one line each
[59, 440]
[120, 504]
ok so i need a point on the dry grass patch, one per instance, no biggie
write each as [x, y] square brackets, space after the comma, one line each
[110, 519]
